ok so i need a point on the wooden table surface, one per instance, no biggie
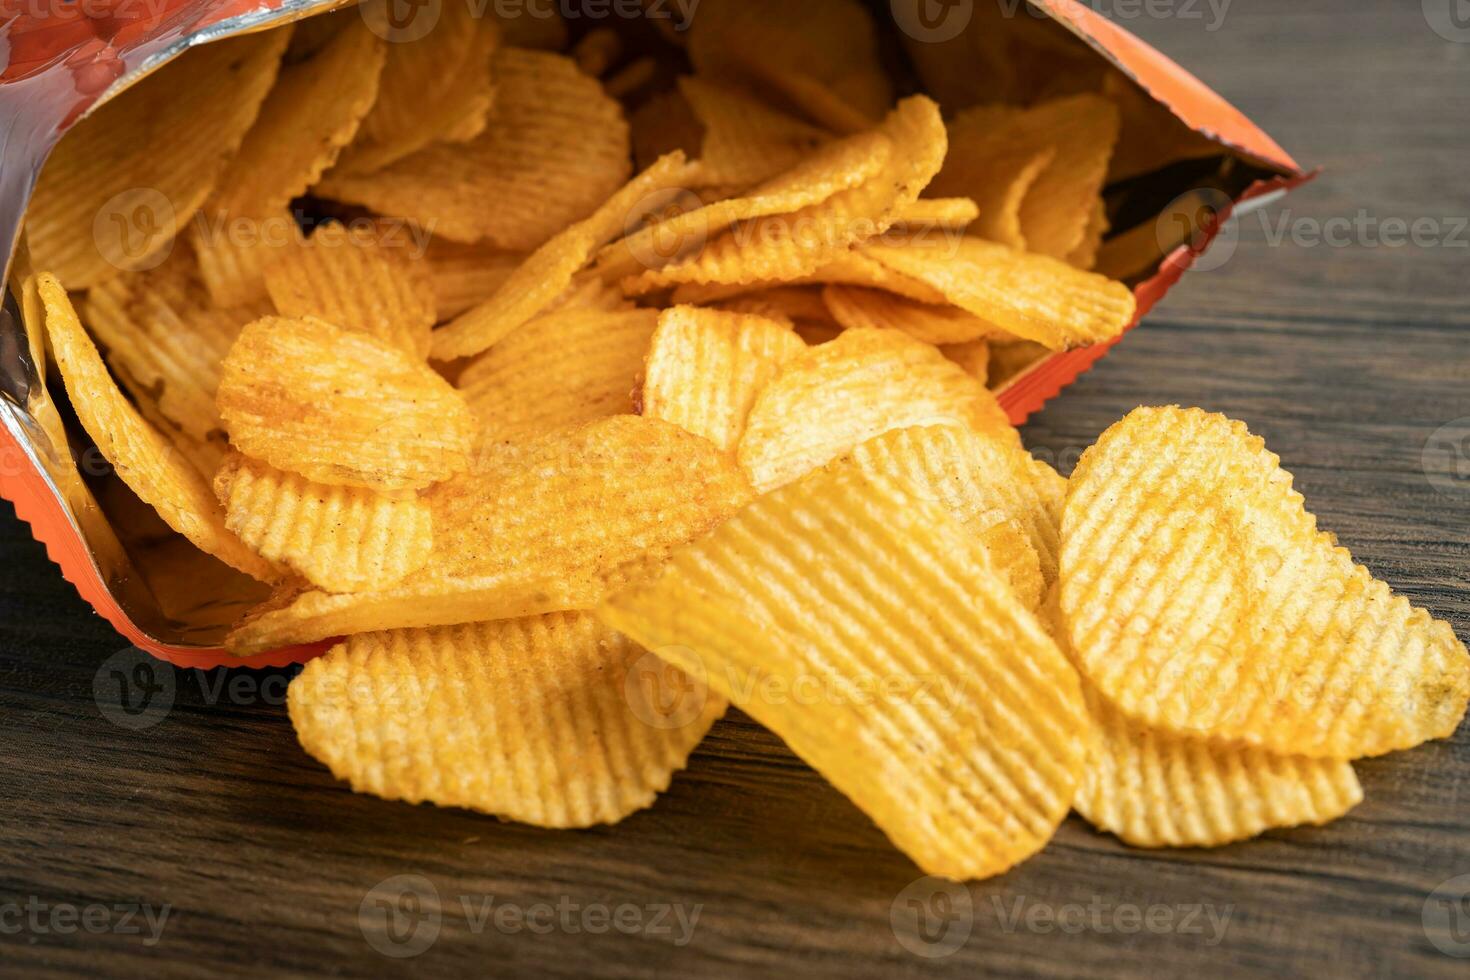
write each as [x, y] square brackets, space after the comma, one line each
[1347, 355]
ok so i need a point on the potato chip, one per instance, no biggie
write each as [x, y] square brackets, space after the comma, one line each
[936, 214]
[986, 166]
[864, 383]
[1201, 599]
[705, 368]
[166, 339]
[1031, 296]
[791, 245]
[358, 279]
[559, 370]
[851, 268]
[142, 457]
[526, 719]
[785, 304]
[819, 56]
[549, 271]
[311, 113]
[435, 87]
[745, 141]
[464, 276]
[858, 308]
[232, 253]
[1156, 789]
[836, 167]
[972, 355]
[341, 539]
[341, 407]
[126, 178]
[665, 123]
[913, 679]
[205, 453]
[553, 149]
[1084, 256]
[981, 480]
[536, 527]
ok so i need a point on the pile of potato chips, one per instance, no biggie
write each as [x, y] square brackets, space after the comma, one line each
[574, 453]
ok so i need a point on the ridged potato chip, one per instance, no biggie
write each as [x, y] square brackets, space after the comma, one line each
[936, 702]
[142, 457]
[204, 453]
[705, 368]
[1058, 208]
[832, 169]
[126, 178]
[985, 166]
[973, 356]
[1030, 296]
[819, 56]
[535, 527]
[745, 141]
[526, 719]
[787, 246]
[1201, 599]
[359, 280]
[1009, 359]
[464, 276]
[861, 308]
[341, 539]
[1156, 789]
[435, 87]
[934, 214]
[559, 370]
[341, 407]
[851, 268]
[310, 114]
[549, 270]
[166, 339]
[554, 148]
[1084, 256]
[864, 383]
[232, 253]
[791, 305]
[981, 481]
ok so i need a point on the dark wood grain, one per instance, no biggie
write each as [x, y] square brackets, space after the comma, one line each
[1345, 359]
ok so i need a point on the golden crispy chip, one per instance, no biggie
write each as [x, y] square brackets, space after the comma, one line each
[972, 355]
[832, 169]
[819, 56]
[997, 173]
[539, 720]
[142, 457]
[554, 148]
[663, 124]
[851, 268]
[982, 480]
[914, 680]
[204, 453]
[1084, 256]
[588, 291]
[1156, 789]
[341, 408]
[559, 370]
[1031, 296]
[358, 279]
[536, 527]
[864, 383]
[437, 86]
[745, 141]
[166, 339]
[705, 368]
[1010, 359]
[232, 254]
[857, 307]
[791, 305]
[312, 112]
[549, 271]
[341, 539]
[1201, 598]
[464, 276]
[125, 179]
[790, 245]
[932, 214]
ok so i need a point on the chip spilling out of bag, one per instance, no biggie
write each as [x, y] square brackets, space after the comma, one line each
[565, 392]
